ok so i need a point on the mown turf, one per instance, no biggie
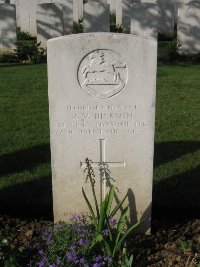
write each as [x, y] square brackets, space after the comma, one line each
[177, 140]
[24, 141]
[25, 181]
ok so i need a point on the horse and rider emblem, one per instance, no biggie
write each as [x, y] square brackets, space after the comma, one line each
[102, 74]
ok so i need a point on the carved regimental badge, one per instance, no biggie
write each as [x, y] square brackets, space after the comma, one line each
[191, 11]
[102, 74]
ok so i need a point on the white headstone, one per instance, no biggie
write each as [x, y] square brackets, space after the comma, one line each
[77, 10]
[118, 12]
[188, 34]
[166, 9]
[96, 16]
[102, 106]
[126, 14]
[16, 3]
[49, 22]
[144, 20]
[27, 16]
[112, 4]
[8, 36]
[67, 13]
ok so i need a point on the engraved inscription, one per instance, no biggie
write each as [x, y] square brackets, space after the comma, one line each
[103, 120]
[102, 74]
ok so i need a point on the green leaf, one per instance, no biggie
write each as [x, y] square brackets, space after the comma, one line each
[124, 237]
[108, 247]
[90, 207]
[121, 224]
[129, 261]
[110, 199]
[118, 207]
[102, 215]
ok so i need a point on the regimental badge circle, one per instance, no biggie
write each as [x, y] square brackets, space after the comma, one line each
[102, 74]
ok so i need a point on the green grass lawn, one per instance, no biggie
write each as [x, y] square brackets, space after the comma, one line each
[25, 182]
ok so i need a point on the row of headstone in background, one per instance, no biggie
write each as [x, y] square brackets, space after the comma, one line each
[73, 11]
[57, 20]
[8, 35]
[188, 33]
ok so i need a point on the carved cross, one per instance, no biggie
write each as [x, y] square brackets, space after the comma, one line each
[3, 36]
[29, 20]
[103, 166]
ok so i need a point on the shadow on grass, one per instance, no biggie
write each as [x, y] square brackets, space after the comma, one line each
[26, 159]
[176, 196]
[169, 151]
[31, 200]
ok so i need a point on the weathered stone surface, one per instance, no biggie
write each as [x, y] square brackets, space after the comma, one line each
[166, 12]
[118, 12]
[189, 27]
[144, 20]
[49, 22]
[77, 10]
[27, 16]
[96, 17]
[67, 6]
[8, 36]
[102, 106]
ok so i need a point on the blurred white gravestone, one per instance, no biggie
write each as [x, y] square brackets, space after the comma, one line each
[126, 15]
[49, 22]
[8, 36]
[77, 10]
[16, 3]
[96, 16]
[118, 12]
[67, 6]
[27, 16]
[188, 34]
[102, 90]
[112, 4]
[144, 20]
[166, 9]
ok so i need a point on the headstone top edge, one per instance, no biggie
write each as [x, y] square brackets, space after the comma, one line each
[93, 34]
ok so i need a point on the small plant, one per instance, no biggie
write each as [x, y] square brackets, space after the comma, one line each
[69, 244]
[30, 52]
[8, 57]
[9, 256]
[184, 245]
[78, 27]
[109, 232]
[21, 36]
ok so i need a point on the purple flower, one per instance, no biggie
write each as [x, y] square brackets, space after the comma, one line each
[113, 221]
[75, 218]
[58, 262]
[47, 236]
[72, 248]
[40, 252]
[99, 264]
[98, 258]
[108, 259]
[71, 256]
[105, 232]
[82, 260]
[42, 262]
[83, 242]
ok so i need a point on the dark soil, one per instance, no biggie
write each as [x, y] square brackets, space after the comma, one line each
[175, 246]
